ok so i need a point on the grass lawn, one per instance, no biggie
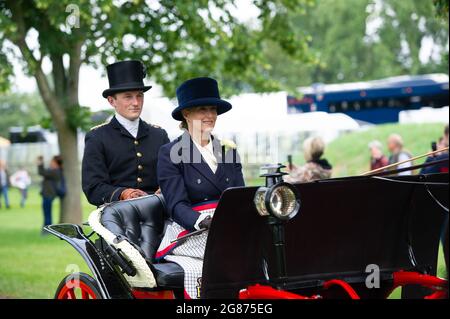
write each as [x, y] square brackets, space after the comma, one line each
[31, 265]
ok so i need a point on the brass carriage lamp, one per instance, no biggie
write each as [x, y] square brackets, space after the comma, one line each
[279, 202]
[277, 198]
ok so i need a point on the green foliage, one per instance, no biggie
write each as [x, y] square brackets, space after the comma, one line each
[358, 40]
[80, 117]
[175, 39]
[20, 110]
[47, 123]
[441, 8]
[182, 39]
[6, 71]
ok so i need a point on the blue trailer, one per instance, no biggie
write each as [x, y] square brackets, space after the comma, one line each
[375, 102]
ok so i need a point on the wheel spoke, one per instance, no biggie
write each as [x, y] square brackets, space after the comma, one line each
[71, 294]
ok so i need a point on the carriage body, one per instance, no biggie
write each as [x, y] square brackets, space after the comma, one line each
[339, 231]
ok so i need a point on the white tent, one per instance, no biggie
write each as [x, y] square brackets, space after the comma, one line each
[158, 111]
[267, 114]
[425, 115]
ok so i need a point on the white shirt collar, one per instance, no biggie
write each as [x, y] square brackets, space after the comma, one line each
[131, 126]
[208, 146]
[207, 152]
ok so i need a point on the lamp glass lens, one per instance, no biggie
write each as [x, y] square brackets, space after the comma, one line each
[260, 203]
[283, 201]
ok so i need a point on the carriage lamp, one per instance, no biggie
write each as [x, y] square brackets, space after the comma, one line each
[277, 198]
[280, 200]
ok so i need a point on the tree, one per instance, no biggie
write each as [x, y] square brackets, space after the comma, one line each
[358, 40]
[441, 8]
[175, 40]
[20, 109]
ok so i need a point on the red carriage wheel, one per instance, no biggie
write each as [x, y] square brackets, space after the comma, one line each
[78, 286]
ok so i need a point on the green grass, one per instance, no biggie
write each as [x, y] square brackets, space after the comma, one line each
[31, 265]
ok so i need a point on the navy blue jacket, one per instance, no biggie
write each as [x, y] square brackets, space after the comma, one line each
[438, 168]
[186, 179]
[114, 160]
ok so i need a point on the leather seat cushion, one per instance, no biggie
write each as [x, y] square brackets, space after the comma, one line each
[168, 274]
[140, 220]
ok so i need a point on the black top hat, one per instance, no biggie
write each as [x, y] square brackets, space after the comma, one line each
[125, 76]
[202, 91]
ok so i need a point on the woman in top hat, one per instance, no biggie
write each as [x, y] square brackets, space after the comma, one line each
[120, 157]
[193, 171]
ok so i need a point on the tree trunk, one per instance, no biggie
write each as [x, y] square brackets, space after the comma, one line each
[55, 101]
[71, 211]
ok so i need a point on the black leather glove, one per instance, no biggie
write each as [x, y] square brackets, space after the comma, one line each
[206, 223]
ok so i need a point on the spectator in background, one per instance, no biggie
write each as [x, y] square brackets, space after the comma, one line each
[4, 184]
[315, 168]
[445, 137]
[51, 177]
[441, 143]
[60, 184]
[398, 154]
[442, 166]
[377, 158]
[21, 179]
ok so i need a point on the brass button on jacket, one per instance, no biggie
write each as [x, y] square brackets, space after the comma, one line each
[139, 154]
[139, 180]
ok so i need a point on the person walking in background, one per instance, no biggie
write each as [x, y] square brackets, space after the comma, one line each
[4, 184]
[51, 177]
[377, 158]
[315, 168]
[398, 154]
[60, 184]
[21, 179]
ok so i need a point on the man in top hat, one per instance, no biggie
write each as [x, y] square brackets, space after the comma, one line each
[120, 156]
